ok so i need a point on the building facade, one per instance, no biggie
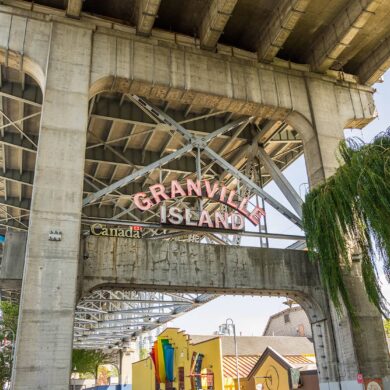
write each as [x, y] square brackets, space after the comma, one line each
[209, 363]
[289, 322]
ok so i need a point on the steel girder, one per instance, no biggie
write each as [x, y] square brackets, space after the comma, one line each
[94, 325]
[192, 142]
[108, 318]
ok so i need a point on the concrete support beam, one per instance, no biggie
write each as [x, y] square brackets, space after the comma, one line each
[376, 64]
[45, 332]
[279, 26]
[214, 22]
[139, 158]
[147, 11]
[210, 268]
[100, 154]
[12, 264]
[73, 8]
[14, 175]
[328, 46]
[127, 112]
[15, 203]
[127, 358]
[209, 80]
[219, 268]
[363, 349]
[369, 338]
[13, 140]
[29, 94]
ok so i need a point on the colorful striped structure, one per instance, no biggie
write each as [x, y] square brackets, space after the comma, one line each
[162, 356]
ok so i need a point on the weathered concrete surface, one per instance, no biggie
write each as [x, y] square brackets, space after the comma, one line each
[57, 52]
[169, 265]
[12, 264]
[177, 266]
[182, 73]
[45, 330]
[372, 353]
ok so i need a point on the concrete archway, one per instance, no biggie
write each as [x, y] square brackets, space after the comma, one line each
[177, 267]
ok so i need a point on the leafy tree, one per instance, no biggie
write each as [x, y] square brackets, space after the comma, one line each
[10, 315]
[386, 324]
[86, 361]
[144, 353]
[8, 328]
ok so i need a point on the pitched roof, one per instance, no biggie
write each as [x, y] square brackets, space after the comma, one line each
[248, 365]
[251, 346]
[196, 339]
[245, 365]
[298, 359]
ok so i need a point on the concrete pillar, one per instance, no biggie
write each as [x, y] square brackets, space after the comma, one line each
[369, 337]
[127, 358]
[358, 350]
[12, 264]
[45, 332]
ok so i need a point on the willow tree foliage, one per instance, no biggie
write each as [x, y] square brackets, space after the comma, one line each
[351, 212]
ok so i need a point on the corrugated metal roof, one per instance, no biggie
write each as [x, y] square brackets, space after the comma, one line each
[297, 359]
[256, 345]
[245, 365]
[251, 346]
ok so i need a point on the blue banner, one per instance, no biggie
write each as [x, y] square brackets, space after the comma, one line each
[168, 357]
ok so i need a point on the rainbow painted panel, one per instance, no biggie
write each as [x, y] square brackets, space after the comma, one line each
[163, 357]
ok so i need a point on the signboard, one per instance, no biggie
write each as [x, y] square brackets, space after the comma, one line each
[175, 215]
[99, 229]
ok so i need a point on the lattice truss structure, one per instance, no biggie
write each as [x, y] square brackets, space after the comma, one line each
[131, 144]
[113, 318]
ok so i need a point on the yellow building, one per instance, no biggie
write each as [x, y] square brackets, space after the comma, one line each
[274, 371]
[216, 368]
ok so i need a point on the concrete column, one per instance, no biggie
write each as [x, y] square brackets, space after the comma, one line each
[44, 340]
[127, 358]
[12, 264]
[358, 350]
[369, 337]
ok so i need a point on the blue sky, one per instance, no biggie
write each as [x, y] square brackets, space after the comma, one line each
[250, 314]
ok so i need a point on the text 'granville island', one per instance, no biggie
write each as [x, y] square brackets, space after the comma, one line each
[178, 216]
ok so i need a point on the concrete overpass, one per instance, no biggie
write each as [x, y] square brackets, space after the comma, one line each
[93, 93]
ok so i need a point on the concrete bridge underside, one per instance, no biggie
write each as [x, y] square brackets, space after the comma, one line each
[74, 70]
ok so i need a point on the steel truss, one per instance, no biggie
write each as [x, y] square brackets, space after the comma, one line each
[110, 318]
[198, 144]
[202, 144]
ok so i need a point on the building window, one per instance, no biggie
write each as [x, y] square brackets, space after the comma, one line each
[286, 318]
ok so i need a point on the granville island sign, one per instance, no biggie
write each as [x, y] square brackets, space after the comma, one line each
[175, 215]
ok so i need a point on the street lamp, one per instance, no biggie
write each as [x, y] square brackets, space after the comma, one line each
[226, 327]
